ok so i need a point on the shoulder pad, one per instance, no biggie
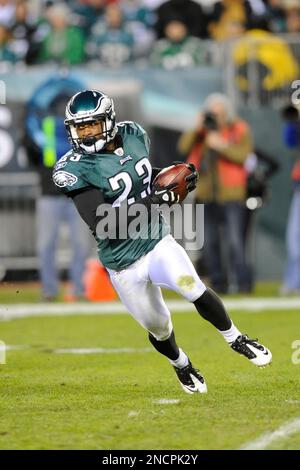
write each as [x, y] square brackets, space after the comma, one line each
[62, 162]
[67, 173]
[131, 127]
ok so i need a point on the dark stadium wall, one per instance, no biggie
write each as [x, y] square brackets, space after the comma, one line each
[266, 124]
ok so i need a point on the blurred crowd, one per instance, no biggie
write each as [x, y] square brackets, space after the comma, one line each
[168, 34]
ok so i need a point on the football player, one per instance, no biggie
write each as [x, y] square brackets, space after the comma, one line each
[109, 164]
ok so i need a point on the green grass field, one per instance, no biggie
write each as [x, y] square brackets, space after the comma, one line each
[107, 401]
[22, 293]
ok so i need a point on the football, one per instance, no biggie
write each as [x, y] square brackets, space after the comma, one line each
[174, 174]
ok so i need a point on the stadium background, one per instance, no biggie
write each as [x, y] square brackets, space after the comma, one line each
[166, 105]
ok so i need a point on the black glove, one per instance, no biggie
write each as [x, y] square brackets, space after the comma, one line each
[193, 178]
[164, 195]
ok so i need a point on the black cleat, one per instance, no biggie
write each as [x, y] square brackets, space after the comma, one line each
[252, 350]
[190, 379]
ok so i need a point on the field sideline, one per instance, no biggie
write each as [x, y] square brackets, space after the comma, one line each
[111, 399]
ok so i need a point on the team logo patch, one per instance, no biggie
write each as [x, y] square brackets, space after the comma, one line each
[63, 179]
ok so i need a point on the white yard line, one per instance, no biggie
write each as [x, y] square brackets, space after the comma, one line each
[133, 414]
[8, 311]
[9, 347]
[166, 401]
[282, 433]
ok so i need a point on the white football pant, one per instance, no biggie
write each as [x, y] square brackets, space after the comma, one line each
[138, 286]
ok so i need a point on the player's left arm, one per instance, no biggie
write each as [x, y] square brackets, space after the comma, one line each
[88, 200]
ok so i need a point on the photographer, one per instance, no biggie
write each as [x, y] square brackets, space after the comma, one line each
[291, 281]
[218, 147]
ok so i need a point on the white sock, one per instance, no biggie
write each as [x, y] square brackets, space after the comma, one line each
[182, 360]
[231, 334]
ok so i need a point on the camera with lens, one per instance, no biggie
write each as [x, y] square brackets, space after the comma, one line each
[210, 121]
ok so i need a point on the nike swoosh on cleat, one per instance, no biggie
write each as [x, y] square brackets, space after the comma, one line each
[192, 389]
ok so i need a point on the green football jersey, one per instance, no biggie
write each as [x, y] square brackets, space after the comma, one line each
[123, 176]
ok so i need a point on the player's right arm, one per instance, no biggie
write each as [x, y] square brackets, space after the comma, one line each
[70, 178]
[88, 200]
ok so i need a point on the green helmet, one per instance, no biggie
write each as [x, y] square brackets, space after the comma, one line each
[90, 106]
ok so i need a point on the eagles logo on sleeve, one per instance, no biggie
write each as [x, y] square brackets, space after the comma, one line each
[63, 179]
